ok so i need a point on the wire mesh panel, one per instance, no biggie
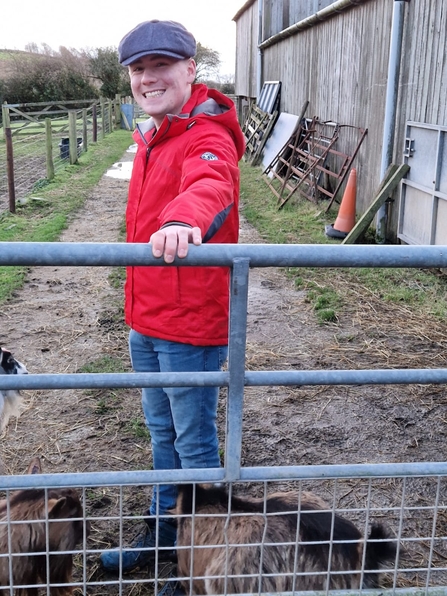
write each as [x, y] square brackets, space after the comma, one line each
[263, 536]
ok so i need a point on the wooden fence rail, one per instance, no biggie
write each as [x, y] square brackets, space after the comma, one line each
[40, 138]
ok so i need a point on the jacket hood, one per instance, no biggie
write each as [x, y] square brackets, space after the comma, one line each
[203, 103]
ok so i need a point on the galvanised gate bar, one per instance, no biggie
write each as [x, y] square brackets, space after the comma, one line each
[426, 577]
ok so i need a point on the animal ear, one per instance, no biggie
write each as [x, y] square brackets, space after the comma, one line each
[4, 355]
[35, 467]
[65, 507]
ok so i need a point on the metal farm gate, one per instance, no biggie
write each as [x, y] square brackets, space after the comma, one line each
[425, 573]
[423, 203]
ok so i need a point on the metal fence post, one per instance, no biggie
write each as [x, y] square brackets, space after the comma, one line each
[236, 366]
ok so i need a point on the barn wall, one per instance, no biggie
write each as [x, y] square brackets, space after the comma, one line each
[247, 52]
[423, 85]
[341, 66]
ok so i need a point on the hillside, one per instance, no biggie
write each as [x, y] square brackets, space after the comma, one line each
[9, 59]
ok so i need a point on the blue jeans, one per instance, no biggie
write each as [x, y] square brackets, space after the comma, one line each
[181, 420]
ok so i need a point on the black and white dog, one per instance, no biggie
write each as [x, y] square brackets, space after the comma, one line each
[10, 399]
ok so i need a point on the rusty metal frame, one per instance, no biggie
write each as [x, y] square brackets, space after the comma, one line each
[309, 159]
[347, 163]
[302, 157]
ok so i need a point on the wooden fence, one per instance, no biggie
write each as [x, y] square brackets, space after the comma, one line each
[39, 138]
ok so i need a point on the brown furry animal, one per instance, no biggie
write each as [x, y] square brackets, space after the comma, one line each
[249, 551]
[25, 534]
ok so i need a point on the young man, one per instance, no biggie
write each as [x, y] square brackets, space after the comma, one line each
[184, 189]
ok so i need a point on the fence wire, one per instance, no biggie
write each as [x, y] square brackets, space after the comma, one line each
[29, 150]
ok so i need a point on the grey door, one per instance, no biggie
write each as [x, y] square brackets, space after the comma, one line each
[423, 202]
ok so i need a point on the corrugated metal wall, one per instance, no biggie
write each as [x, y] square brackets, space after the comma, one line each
[341, 65]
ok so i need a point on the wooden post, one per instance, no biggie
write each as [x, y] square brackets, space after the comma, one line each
[49, 149]
[102, 106]
[10, 170]
[95, 123]
[110, 104]
[117, 111]
[392, 177]
[5, 118]
[84, 129]
[72, 136]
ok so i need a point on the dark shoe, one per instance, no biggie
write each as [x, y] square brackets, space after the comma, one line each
[172, 588]
[137, 555]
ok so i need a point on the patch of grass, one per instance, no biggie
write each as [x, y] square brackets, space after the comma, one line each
[415, 287]
[222, 456]
[45, 219]
[8, 55]
[122, 231]
[298, 218]
[11, 278]
[326, 315]
[303, 222]
[104, 364]
[105, 399]
[41, 183]
[102, 407]
[139, 429]
[117, 277]
[325, 302]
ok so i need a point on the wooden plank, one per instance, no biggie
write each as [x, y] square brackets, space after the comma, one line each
[391, 179]
[263, 139]
[257, 130]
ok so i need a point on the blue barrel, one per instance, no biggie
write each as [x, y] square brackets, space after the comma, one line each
[127, 116]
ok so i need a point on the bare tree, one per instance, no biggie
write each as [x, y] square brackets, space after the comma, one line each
[208, 62]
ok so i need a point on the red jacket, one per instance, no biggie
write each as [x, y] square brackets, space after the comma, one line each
[186, 172]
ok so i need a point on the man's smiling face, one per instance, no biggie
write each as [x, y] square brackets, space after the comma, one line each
[161, 85]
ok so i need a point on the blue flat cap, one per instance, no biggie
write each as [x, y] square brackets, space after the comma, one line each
[166, 38]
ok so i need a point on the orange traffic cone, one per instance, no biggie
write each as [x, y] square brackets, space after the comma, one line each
[346, 214]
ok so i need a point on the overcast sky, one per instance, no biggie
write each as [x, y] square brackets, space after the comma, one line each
[84, 24]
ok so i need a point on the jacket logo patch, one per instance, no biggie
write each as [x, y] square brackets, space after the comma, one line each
[208, 156]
